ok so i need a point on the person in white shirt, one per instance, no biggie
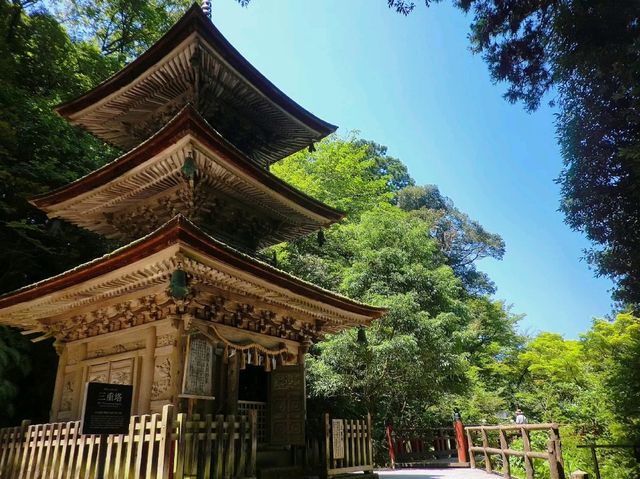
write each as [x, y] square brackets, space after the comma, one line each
[520, 417]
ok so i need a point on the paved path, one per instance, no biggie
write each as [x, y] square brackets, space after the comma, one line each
[435, 474]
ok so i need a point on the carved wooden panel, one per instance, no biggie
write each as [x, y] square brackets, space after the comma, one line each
[287, 406]
[113, 372]
[161, 388]
[68, 390]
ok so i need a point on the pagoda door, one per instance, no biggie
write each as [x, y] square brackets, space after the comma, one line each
[287, 406]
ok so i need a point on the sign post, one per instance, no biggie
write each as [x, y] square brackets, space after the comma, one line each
[106, 410]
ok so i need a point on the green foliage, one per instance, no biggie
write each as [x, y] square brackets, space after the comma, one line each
[586, 53]
[437, 330]
[121, 28]
[591, 386]
[39, 151]
[463, 240]
[344, 173]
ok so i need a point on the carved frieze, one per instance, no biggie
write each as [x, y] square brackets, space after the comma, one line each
[115, 349]
[218, 309]
[114, 318]
[98, 373]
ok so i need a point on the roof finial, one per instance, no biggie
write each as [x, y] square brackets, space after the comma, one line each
[206, 8]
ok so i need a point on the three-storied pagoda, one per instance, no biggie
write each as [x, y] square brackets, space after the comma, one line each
[185, 312]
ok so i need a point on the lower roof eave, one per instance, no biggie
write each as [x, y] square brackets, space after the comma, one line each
[177, 239]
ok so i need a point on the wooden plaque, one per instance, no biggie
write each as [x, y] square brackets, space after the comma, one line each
[337, 437]
[198, 370]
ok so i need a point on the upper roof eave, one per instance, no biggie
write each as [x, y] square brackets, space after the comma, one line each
[186, 119]
[194, 20]
[182, 232]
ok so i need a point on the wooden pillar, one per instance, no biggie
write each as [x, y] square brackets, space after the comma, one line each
[148, 371]
[178, 362]
[460, 439]
[233, 378]
[63, 354]
[303, 349]
[79, 383]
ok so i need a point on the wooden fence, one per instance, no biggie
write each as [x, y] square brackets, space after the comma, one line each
[505, 435]
[409, 447]
[339, 446]
[158, 446]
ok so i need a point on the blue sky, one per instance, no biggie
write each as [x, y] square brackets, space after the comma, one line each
[412, 84]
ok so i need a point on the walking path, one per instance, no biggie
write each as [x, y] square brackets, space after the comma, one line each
[435, 474]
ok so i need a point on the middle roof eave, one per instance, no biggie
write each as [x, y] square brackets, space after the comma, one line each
[188, 120]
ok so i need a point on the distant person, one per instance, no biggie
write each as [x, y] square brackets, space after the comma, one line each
[520, 417]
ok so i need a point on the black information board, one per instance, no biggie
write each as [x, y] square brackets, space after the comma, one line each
[107, 408]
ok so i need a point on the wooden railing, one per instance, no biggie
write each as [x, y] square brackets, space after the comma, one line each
[339, 446]
[158, 446]
[357, 453]
[594, 455]
[216, 446]
[505, 435]
[408, 447]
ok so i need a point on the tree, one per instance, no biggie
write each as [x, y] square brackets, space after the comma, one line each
[587, 53]
[463, 240]
[347, 174]
[122, 28]
[39, 151]
[390, 251]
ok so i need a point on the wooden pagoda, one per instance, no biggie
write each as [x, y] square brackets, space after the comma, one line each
[186, 312]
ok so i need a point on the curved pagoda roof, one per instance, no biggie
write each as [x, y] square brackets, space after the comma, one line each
[65, 306]
[193, 62]
[189, 168]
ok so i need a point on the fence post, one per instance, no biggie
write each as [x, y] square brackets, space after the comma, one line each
[504, 445]
[557, 445]
[22, 440]
[253, 421]
[526, 446]
[326, 429]
[166, 442]
[485, 445]
[181, 439]
[472, 454]
[369, 443]
[460, 439]
[596, 466]
[392, 450]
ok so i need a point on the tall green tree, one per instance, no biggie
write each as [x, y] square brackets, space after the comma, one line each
[463, 240]
[39, 66]
[119, 28]
[586, 55]
[390, 251]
